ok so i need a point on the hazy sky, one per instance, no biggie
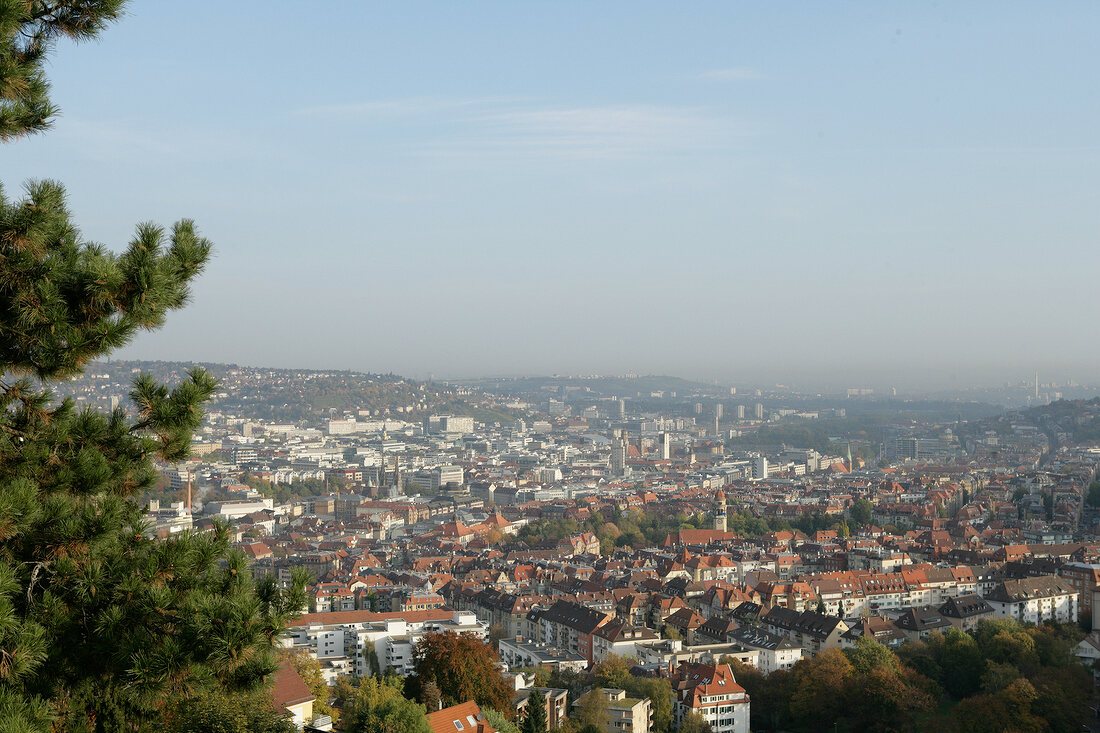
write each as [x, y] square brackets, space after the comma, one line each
[899, 191]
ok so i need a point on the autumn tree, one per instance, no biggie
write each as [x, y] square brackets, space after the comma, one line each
[592, 710]
[695, 723]
[309, 669]
[820, 687]
[1007, 710]
[612, 671]
[464, 667]
[884, 694]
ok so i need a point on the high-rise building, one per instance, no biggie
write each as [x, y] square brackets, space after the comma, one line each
[698, 408]
[622, 408]
[665, 447]
[758, 410]
[907, 448]
[759, 466]
[618, 454]
[718, 410]
[740, 412]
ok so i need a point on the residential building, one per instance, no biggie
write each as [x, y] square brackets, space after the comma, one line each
[711, 691]
[1031, 600]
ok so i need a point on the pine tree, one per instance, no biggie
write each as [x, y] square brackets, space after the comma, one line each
[534, 720]
[101, 628]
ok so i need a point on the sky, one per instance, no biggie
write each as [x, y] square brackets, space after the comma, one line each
[865, 192]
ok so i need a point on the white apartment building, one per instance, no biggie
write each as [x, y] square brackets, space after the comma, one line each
[1032, 600]
[359, 640]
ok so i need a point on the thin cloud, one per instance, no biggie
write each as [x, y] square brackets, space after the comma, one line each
[738, 73]
[462, 127]
[404, 107]
[601, 130]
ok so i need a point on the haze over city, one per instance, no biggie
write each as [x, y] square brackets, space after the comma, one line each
[621, 367]
[833, 194]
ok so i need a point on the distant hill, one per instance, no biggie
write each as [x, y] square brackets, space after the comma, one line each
[602, 386]
[1077, 420]
[303, 394]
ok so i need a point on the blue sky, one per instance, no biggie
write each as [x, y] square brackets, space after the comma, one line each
[890, 192]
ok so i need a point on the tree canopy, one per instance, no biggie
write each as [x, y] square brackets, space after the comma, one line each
[463, 667]
[378, 706]
[101, 627]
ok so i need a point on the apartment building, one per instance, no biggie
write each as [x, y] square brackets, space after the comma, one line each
[711, 691]
[1031, 600]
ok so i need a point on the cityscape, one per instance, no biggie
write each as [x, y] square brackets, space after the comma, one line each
[603, 367]
[691, 528]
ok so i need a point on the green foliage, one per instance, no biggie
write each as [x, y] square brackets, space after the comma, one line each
[496, 719]
[429, 695]
[573, 682]
[309, 669]
[1006, 671]
[864, 688]
[218, 712]
[868, 654]
[613, 671]
[860, 512]
[746, 525]
[103, 629]
[548, 530]
[28, 32]
[1093, 498]
[378, 706]
[695, 723]
[283, 493]
[534, 718]
[592, 710]
[659, 692]
[960, 659]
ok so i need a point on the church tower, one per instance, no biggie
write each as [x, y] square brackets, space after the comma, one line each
[720, 511]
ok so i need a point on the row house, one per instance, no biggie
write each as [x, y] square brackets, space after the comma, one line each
[797, 595]
[507, 611]
[813, 632]
[773, 651]
[1032, 600]
[964, 612]
[1083, 578]
[620, 639]
[567, 625]
[720, 598]
[876, 628]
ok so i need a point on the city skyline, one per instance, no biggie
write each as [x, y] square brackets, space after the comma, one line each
[904, 195]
